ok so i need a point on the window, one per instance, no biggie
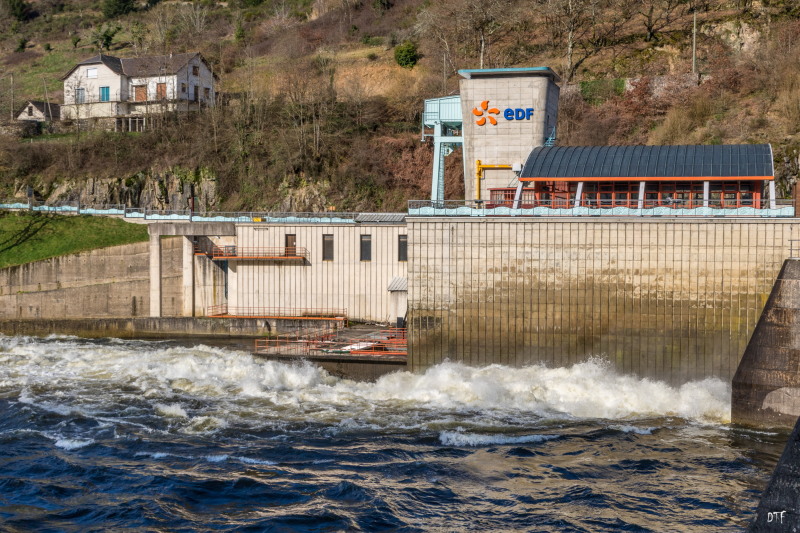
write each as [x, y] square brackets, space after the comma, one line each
[104, 94]
[80, 95]
[161, 91]
[91, 73]
[206, 93]
[327, 247]
[402, 247]
[366, 247]
[140, 93]
[195, 70]
[30, 110]
[195, 93]
[183, 88]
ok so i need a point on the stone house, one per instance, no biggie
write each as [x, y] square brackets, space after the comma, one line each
[123, 92]
[37, 111]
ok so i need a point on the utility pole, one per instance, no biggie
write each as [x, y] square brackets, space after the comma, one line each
[12, 96]
[49, 113]
[694, 42]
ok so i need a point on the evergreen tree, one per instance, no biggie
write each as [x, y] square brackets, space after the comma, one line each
[115, 8]
[19, 9]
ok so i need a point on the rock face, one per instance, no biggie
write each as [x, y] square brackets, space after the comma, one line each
[170, 190]
[779, 509]
[766, 387]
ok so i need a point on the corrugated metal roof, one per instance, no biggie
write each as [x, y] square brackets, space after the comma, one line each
[398, 285]
[715, 161]
[381, 217]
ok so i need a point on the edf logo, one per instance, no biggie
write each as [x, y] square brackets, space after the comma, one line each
[508, 113]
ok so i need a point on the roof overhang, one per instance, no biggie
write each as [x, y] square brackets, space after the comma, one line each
[651, 178]
[510, 73]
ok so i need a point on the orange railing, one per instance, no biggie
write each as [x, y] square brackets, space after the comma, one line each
[301, 313]
[239, 252]
[328, 342]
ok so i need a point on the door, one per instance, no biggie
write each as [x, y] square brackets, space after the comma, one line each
[291, 245]
[140, 93]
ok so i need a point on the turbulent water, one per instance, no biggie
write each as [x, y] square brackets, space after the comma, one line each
[111, 434]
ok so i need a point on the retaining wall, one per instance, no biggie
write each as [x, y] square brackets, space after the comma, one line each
[109, 282]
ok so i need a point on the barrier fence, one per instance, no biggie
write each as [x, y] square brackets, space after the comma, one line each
[296, 313]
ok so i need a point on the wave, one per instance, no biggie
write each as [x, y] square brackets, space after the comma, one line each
[223, 387]
[456, 438]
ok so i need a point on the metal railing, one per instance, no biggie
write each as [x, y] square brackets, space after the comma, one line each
[389, 343]
[239, 252]
[587, 207]
[298, 313]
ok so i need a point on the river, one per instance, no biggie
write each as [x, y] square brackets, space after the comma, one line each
[149, 435]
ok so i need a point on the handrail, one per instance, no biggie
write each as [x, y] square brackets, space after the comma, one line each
[588, 207]
[239, 252]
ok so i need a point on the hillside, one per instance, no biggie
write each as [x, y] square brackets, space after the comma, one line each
[321, 115]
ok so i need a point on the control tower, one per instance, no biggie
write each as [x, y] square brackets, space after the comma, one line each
[507, 112]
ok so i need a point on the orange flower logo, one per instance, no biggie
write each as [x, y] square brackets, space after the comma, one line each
[479, 113]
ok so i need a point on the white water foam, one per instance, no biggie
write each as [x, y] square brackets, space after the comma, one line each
[172, 410]
[457, 438]
[236, 388]
[73, 444]
[634, 429]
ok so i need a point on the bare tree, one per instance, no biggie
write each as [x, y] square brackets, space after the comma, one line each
[194, 17]
[657, 15]
[466, 29]
[585, 27]
[162, 23]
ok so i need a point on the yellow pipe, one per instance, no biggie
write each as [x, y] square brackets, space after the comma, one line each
[479, 175]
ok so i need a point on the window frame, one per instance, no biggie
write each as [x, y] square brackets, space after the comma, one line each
[365, 247]
[327, 251]
[80, 95]
[91, 73]
[105, 94]
[402, 248]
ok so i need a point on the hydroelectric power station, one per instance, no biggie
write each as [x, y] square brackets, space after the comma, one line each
[659, 259]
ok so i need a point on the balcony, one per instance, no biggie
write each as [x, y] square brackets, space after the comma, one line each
[239, 253]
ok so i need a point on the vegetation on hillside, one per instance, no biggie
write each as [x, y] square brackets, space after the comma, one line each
[26, 237]
[322, 97]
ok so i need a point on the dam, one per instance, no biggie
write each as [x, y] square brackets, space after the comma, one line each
[659, 260]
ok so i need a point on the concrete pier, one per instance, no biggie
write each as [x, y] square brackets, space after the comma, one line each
[766, 386]
[779, 509]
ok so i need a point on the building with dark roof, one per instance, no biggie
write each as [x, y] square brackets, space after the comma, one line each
[729, 176]
[38, 111]
[125, 91]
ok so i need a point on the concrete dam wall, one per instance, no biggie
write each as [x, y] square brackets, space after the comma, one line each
[110, 282]
[675, 300]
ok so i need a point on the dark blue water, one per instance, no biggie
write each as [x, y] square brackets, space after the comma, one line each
[115, 435]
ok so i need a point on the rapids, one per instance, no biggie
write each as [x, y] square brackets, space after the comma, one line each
[110, 434]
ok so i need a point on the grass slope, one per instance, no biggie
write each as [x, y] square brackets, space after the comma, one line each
[26, 237]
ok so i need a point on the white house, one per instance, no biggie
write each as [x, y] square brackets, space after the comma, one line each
[127, 90]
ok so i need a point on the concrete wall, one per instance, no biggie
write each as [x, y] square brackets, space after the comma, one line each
[668, 299]
[510, 141]
[111, 282]
[346, 282]
[766, 387]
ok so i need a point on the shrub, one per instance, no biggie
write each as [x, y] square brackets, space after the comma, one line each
[22, 44]
[406, 54]
[47, 47]
[115, 8]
